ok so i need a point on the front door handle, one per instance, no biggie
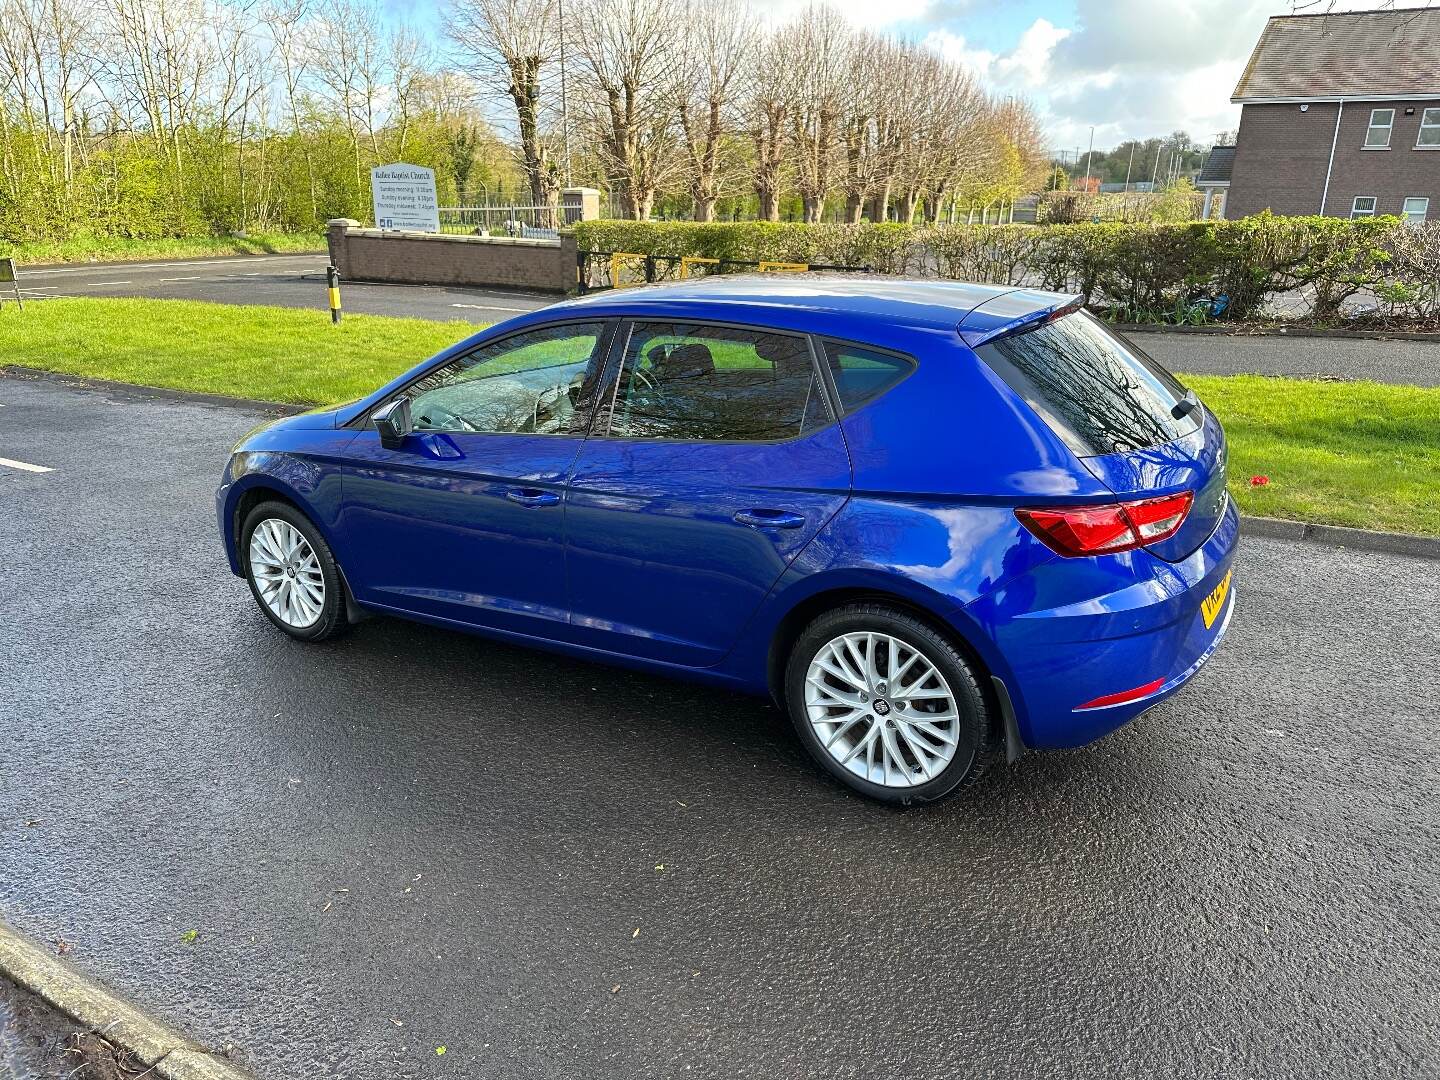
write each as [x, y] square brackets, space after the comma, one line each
[765, 518]
[532, 496]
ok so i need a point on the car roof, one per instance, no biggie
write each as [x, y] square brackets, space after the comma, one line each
[934, 305]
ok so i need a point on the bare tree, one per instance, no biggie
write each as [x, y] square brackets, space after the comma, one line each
[628, 48]
[772, 100]
[719, 39]
[510, 45]
[821, 41]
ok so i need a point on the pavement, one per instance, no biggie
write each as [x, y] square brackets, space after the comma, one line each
[299, 281]
[411, 839]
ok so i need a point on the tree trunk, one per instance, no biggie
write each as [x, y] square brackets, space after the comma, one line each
[704, 208]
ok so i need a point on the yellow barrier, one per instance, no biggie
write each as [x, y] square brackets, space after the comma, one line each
[783, 267]
[615, 266]
[694, 260]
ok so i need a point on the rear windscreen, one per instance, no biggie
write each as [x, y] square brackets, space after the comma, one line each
[1098, 393]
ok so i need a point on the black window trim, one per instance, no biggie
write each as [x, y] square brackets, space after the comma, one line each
[615, 363]
[603, 345]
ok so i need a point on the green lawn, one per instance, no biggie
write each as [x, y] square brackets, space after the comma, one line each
[275, 354]
[116, 249]
[1359, 453]
[1339, 453]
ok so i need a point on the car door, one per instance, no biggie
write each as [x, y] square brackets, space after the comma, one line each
[713, 461]
[465, 521]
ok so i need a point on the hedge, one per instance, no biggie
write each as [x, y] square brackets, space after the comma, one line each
[1132, 271]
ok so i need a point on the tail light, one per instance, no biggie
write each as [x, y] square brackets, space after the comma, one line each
[1073, 531]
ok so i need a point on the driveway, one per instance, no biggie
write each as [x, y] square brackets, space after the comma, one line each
[410, 839]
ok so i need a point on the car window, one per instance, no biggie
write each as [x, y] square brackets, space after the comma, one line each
[536, 382]
[861, 374]
[715, 383]
[1100, 394]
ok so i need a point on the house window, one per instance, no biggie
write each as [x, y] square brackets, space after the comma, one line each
[1364, 206]
[1377, 135]
[1415, 210]
[1429, 129]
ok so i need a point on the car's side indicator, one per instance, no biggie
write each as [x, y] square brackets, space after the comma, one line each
[1211, 605]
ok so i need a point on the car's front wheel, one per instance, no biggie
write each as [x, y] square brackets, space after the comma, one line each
[888, 705]
[292, 573]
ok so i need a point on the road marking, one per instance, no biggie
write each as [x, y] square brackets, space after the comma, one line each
[25, 465]
[248, 259]
[167, 280]
[95, 284]
[492, 307]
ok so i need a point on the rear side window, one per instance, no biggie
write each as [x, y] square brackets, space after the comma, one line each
[715, 383]
[861, 374]
[1100, 394]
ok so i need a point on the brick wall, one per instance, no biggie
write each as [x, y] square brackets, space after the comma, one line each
[1392, 175]
[1282, 154]
[430, 259]
[1280, 159]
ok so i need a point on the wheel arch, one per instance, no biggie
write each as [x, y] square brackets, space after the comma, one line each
[267, 488]
[806, 609]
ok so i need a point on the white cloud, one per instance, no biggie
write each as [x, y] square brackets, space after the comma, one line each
[867, 14]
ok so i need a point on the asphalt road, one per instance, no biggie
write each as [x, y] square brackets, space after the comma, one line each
[299, 281]
[282, 280]
[410, 838]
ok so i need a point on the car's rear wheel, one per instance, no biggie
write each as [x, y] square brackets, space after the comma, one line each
[292, 573]
[889, 706]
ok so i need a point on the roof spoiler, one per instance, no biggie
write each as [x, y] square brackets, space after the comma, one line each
[1018, 312]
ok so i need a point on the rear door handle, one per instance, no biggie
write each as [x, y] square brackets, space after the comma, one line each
[765, 518]
[532, 496]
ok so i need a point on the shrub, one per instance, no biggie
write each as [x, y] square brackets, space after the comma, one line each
[1127, 270]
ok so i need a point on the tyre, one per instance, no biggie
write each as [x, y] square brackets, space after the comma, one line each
[889, 706]
[292, 573]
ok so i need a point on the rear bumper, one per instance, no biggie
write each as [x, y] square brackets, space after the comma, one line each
[1076, 630]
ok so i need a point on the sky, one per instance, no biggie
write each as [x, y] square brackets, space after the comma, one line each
[1130, 68]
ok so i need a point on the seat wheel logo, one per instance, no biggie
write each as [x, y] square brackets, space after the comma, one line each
[882, 707]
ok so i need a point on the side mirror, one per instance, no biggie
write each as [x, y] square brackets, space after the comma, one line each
[392, 421]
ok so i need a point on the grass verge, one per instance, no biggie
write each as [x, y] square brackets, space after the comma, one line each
[270, 353]
[1360, 454]
[119, 249]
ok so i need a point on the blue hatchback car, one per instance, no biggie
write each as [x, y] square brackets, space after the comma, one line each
[939, 523]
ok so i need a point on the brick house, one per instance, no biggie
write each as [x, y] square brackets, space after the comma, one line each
[1340, 115]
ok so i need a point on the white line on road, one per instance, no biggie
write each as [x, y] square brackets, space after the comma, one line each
[25, 465]
[249, 259]
[491, 307]
[98, 284]
[167, 280]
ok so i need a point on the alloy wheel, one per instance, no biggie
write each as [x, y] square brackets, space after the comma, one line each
[882, 709]
[287, 573]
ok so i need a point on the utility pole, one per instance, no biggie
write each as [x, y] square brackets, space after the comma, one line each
[1089, 157]
[1131, 165]
[564, 99]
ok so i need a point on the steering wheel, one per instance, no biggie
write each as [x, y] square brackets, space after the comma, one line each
[646, 381]
[439, 418]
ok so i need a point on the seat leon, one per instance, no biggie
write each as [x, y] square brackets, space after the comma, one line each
[939, 523]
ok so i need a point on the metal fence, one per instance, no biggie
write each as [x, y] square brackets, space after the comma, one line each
[598, 270]
[530, 222]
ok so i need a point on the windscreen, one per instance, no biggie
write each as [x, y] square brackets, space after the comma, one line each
[1100, 394]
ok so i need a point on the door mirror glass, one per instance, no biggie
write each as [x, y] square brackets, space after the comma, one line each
[392, 421]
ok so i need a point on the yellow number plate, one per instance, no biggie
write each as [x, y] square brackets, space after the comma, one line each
[1211, 606]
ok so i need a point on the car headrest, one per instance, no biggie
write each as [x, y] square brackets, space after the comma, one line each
[789, 355]
[686, 361]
